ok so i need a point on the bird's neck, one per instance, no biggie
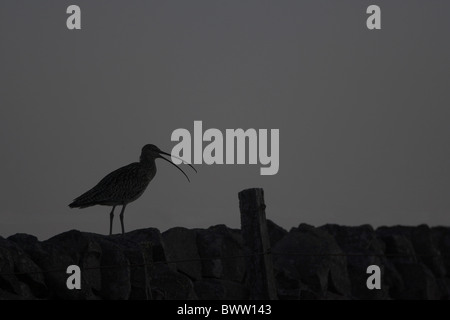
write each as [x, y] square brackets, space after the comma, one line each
[147, 163]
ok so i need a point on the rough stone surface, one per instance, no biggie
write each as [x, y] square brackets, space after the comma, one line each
[276, 233]
[318, 272]
[223, 245]
[172, 285]
[181, 245]
[329, 263]
[363, 249]
[217, 289]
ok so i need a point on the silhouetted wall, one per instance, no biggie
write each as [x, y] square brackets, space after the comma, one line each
[328, 262]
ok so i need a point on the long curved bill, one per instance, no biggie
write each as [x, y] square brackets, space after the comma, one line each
[168, 154]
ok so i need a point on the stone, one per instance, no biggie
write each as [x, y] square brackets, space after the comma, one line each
[415, 264]
[442, 237]
[289, 287]
[217, 289]
[425, 246]
[304, 255]
[420, 283]
[363, 249]
[29, 273]
[222, 249]
[276, 233]
[181, 244]
[170, 284]
[13, 260]
[444, 288]
[115, 272]
[150, 236]
[140, 247]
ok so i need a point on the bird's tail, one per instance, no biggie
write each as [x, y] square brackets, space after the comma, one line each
[79, 204]
[85, 200]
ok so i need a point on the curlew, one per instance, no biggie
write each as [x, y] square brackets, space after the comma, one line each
[125, 184]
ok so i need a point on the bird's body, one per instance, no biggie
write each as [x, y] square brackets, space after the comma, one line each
[123, 185]
[120, 187]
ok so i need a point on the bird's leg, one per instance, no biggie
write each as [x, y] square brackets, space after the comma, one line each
[111, 217]
[121, 218]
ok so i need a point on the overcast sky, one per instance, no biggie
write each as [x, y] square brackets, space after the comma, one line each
[363, 115]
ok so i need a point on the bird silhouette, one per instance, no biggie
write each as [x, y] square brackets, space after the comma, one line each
[125, 184]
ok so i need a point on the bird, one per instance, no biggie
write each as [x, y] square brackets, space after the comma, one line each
[126, 184]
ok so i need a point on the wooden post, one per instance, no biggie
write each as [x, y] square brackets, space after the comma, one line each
[261, 280]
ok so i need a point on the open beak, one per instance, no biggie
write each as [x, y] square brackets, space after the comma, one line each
[168, 154]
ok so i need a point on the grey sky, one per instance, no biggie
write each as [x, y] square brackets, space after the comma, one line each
[363, 115]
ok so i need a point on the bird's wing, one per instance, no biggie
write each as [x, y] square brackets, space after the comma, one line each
[111, 187]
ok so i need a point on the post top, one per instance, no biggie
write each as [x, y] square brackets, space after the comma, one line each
[251, 199]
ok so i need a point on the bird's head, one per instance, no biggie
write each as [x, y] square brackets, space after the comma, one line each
[150, 152]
